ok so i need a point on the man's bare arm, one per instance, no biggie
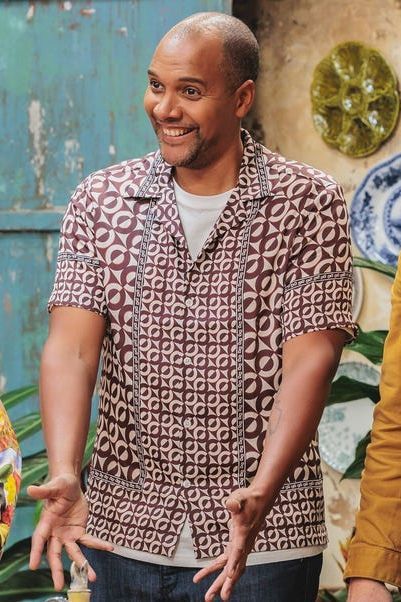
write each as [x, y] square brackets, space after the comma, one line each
[309, 363]
[68, 374]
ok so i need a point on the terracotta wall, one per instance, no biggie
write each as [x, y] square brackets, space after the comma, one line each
[294, 36]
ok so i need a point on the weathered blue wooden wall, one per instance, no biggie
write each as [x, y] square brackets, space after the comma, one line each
[72, 77]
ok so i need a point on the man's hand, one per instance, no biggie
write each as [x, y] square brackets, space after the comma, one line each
[62, 523]
[367, 590]
[248, 512]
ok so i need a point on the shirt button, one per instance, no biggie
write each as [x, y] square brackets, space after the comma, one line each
[186, 483]
[187, 423]
[187, 361]
[189, 302]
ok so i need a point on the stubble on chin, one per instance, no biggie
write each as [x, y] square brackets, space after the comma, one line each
[196, 157]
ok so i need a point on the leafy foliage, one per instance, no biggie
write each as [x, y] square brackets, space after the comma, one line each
[345, 388]
[18, 584]
[341, 596]
[370, 345]
[326, 596]
[376, 266]
[354, 470]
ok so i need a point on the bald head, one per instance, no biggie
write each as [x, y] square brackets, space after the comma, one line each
[240, 60]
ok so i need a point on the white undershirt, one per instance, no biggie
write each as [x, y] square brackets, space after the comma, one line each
[198, 215]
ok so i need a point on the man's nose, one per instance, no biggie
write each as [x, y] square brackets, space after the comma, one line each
[167, 107]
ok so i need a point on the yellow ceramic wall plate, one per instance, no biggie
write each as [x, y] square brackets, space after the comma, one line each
[355, 101]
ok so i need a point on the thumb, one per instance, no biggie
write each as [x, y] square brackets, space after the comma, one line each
[235, 502]
[44, 492]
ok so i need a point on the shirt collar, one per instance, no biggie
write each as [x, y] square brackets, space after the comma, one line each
[253, 179]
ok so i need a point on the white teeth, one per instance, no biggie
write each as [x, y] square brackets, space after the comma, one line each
[174, 131]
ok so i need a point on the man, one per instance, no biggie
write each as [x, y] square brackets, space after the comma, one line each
[216, 275]
[375, 551]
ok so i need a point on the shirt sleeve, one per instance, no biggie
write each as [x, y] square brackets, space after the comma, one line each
[375, 551]
[79, 273]
[318, 285]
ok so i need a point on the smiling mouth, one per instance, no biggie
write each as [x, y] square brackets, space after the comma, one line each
[175, 132]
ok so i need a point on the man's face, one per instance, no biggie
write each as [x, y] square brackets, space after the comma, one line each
[188, 101]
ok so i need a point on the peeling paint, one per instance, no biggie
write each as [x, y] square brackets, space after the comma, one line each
[36, 128]
[30, 12]
[112, 150]
[73, 160]
[123, 31]
[87, 12]
[66, 5]
[13, 276]
[49, 252]
[3, 382]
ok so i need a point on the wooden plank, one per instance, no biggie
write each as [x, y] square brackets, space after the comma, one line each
[31, 221]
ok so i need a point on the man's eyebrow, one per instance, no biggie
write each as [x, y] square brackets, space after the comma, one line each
[189, 78]
[192, 80]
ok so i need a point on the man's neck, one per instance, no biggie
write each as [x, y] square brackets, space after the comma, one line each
[218, 177]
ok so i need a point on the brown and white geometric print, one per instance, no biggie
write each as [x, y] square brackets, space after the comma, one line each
[192, 355]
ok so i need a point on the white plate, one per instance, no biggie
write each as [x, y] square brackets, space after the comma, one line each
[376, 212]
[357, 294]
[343, 425]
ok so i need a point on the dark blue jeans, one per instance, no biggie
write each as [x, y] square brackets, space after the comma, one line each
[122, 579]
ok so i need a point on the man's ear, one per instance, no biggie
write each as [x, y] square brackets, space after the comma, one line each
[245, 95]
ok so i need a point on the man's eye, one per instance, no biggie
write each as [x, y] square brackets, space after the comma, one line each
[191, 92]
[155, 85]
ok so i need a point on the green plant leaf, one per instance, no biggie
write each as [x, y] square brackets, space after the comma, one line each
[370, 344]
[14, 558]
[326, 596]
[25, 585]
[24, 500]
[345, 388]
[34, 468]
[89, 444]
[377, 266]
[12, 398]
[354, 470]
[38, 511]
[27, 425]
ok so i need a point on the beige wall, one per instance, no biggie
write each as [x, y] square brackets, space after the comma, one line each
[295, 35]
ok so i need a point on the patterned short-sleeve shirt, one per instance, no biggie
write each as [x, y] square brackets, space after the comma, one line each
[192, 357]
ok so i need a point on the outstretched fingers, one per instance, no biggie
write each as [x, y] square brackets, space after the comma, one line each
[54, 549]
[93, 542]
[39, 539]
[75, 554]
[216, 565]
[215, 588]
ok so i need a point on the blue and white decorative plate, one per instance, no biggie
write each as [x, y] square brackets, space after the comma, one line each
[344, 424]
[376, 212]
